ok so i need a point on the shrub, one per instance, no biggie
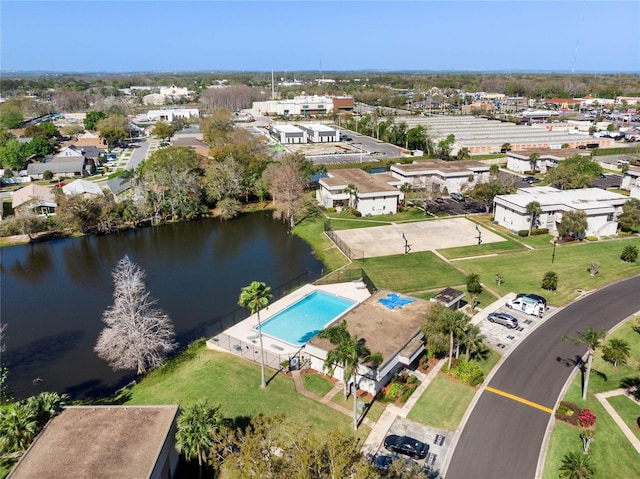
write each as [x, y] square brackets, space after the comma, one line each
[568, 412]
[586, 418]
[412, 380]
[356, 213]
[539, 231]
[591, 238]
[466, 371]
[408, 392]
[629, 254]
[394, 391]
[47, 175]
[550, 281]
[523, 233]
[331, 209]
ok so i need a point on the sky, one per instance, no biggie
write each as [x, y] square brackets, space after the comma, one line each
[320, 35]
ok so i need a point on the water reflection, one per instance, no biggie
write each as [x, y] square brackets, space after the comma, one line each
[53, 294]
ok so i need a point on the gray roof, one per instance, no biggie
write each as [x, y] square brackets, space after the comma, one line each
[91, 151]
[58, 165]
[118, 185]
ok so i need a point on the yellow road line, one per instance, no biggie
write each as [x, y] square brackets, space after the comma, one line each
[519, 399]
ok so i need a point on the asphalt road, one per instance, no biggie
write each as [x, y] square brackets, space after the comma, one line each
[503, 437]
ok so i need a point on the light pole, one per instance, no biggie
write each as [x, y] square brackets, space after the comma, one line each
[553, 255]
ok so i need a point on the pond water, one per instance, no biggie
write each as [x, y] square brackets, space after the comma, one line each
[53, 294]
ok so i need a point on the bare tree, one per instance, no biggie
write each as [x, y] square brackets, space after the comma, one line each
[136, 334]
[284, 181]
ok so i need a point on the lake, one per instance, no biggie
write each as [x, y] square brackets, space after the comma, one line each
[53, 294]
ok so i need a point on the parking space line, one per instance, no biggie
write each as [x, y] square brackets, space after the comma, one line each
[519, 399]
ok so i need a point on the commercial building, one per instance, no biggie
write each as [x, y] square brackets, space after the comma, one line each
[318, 133]
[602, 208]
[169, 114]
[306, 106]
[288, 134]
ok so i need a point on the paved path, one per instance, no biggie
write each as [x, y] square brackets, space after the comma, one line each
[602, 397]
[391, 412]
[327, 398]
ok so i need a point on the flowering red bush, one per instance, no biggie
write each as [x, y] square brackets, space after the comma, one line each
[587, 418]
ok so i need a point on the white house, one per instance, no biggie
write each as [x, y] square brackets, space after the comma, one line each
[631, 181]
[375, 194]
[82, 187]
[456, 176]
[520, 162]
[169, 114]
[288, 134]
[298, 106]
[389, 324]
[601, 206]
[173, 91]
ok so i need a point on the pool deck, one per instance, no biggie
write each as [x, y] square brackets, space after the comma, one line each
[244, 329]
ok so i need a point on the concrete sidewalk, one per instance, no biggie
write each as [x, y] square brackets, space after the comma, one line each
[602, 397]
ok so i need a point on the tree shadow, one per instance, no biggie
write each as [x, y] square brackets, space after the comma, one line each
[632, 385]
[40, 351]
[570, 362]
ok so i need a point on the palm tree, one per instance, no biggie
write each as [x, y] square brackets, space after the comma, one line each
[45, 405]
[505, 147]
[473, 340]
[592, 339]
[18, 427]
[405, 188]
[348, 352]
[534, 209]
[197, 426]
[474, 288]
[463, 154]
[494, 170]
[454, 322]
[616, 351]
[577, 466]
[352, 191]
[256, 296]
[533, 160]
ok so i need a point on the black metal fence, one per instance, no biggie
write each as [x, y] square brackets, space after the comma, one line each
[346, 275]
[349, 252]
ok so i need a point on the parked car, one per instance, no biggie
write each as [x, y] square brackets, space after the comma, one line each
[504, 319]
[457, 197]
[536, 297]
[111, 164]
[532, 179]
[527, 305]
[406, 445]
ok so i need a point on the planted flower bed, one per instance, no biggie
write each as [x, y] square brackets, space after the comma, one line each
[400, 388]
[573, 414]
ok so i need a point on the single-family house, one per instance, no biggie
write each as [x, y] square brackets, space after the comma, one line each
[34, 198]
[456, 176]
[631, 181]
[389, 324]
[374, 194]
[62, 167]
[521, 162]
[110, 442]
[82, 187]
[602, 208]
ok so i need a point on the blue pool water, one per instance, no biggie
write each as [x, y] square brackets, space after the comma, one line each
[300, 322]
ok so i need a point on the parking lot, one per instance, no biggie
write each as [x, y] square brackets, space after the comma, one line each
[501, 338]
[438, 440]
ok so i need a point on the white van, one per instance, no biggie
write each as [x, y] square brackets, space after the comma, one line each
[527, 305]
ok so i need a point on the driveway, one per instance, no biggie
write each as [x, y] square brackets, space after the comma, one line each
[505, 432]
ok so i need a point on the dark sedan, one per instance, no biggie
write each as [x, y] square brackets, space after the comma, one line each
[406, 445]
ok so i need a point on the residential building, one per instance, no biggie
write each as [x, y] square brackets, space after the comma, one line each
[602, 208]
[82, 187]
[388, 324]
[456, 176]
[34, 198]
[520, 162]
[109, 442]
[169, 114]
[375, 194]
[65, 166]
[631, 181]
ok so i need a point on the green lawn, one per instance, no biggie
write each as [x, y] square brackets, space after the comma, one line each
[628, 410]
[311, 230]
[351, 224]
[316, 384]
[234, 383]
[375, 411]
[524, 270]
[410, 272]
[443, 403]
[612, 453]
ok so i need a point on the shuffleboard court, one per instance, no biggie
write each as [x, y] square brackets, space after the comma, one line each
[421, 236]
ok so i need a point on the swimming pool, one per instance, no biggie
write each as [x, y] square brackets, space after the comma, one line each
[299, 323]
